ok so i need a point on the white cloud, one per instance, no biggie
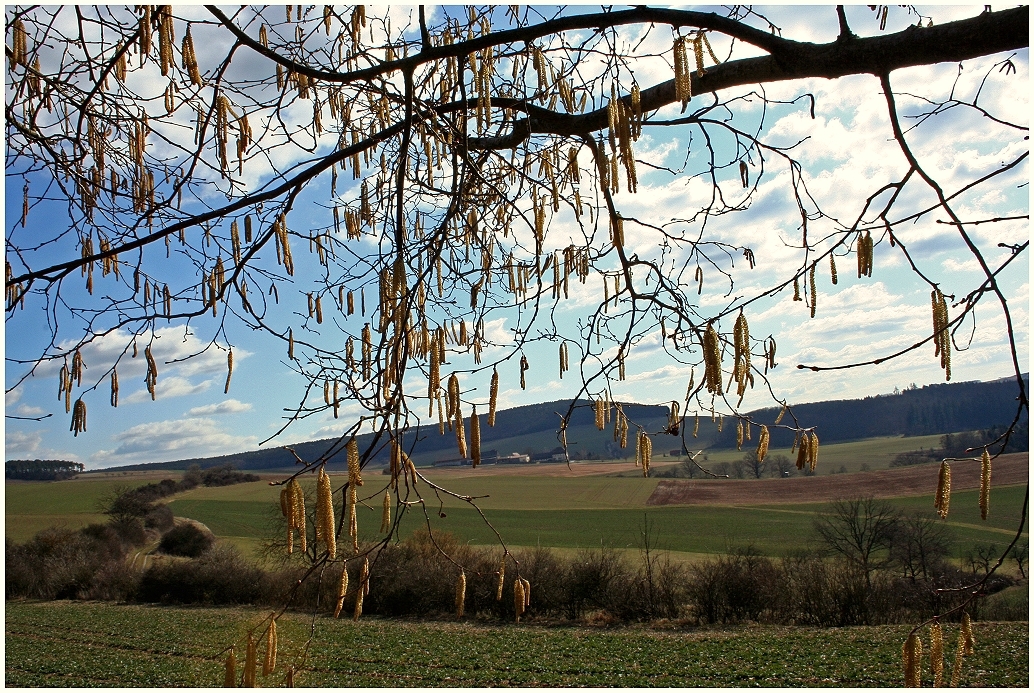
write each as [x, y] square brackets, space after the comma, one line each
[173, 386]
[230, 406]
[173, 439]
[29, 445]
[28, 410]
[21, 443]
[12, 396]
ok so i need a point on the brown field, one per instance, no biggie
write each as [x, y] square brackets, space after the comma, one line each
[886, 483]
[553, 469]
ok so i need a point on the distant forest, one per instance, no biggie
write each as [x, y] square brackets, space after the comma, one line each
[928, 410]
[41, 470]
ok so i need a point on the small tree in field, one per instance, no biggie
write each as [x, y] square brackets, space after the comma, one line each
[425, 208]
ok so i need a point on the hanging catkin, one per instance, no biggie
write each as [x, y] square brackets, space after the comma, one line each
[712, 361]
[912, 659]
[985, 483]
[493, 396]
[229, 371]
[461, 593]
[250, 662]
[937, 654]
[762, 444]
[269, 664]
[325, 513]
[352, 455]
[475, 437]
[500, 578]
[230, 676]
[341, 590]
[518, 598]
[386, 512]
[942, 498]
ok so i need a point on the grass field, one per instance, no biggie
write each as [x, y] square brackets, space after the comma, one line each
[92, 644]
[773, 530]
[577, 512]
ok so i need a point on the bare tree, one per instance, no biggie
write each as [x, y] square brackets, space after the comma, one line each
[860, 530]
[445, 172]
[919, 545]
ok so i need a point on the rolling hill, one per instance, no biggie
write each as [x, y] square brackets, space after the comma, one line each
[532, 429]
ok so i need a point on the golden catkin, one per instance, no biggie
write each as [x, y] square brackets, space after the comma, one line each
[499, 580]
[386, 512]
[362, 589]
[229, 371]
[967, 633]
[683, 83]
[937, 654]
[461, 434]
[985, 483]
[941, 333]
[762, 444]
[712, 361]
[739, 434]
[527, 593]
[230, 676]
[78, 417]
[813, 451]
[518, 598]
[802, 450]
[912, 655]
[325, 513]
[812, 290]
[696, 424]
[475, 437]
[269, 664]
[600, 414]
[352, 453]
[342, 589]
[298, 519]
[493, 395]
[353, 522]
[250, 662]
[832, 269]
[461, 593]
[942, 498]
[741, 358]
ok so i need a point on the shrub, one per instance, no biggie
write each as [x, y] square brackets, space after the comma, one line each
[159, 517]
[186, 540]
[731, 588]
[225, 475]
[219, 576]
[61, 563]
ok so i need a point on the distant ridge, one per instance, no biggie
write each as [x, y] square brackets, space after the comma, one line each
[531, 429]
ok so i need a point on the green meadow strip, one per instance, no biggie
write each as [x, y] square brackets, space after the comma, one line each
[91, 644]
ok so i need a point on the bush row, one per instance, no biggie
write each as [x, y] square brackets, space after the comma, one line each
[417, 578]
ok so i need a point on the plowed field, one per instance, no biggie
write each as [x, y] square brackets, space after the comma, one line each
[887, 483]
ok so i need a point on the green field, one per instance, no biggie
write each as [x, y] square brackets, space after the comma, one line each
[92, 644]
[773, 529]
[32, 506]
[572, 513]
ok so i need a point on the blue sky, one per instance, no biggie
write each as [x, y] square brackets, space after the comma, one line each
[846, 154]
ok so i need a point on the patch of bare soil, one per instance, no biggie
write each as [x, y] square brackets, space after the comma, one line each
[553, 469]
[887, 483]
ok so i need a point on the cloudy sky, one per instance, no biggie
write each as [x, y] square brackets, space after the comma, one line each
[846, 153]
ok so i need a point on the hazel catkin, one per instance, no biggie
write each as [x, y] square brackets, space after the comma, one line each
[985, 483]
[942, 498]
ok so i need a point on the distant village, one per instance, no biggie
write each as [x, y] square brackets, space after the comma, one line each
[493, 457]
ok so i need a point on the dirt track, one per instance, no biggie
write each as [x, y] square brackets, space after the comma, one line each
[909, 481]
